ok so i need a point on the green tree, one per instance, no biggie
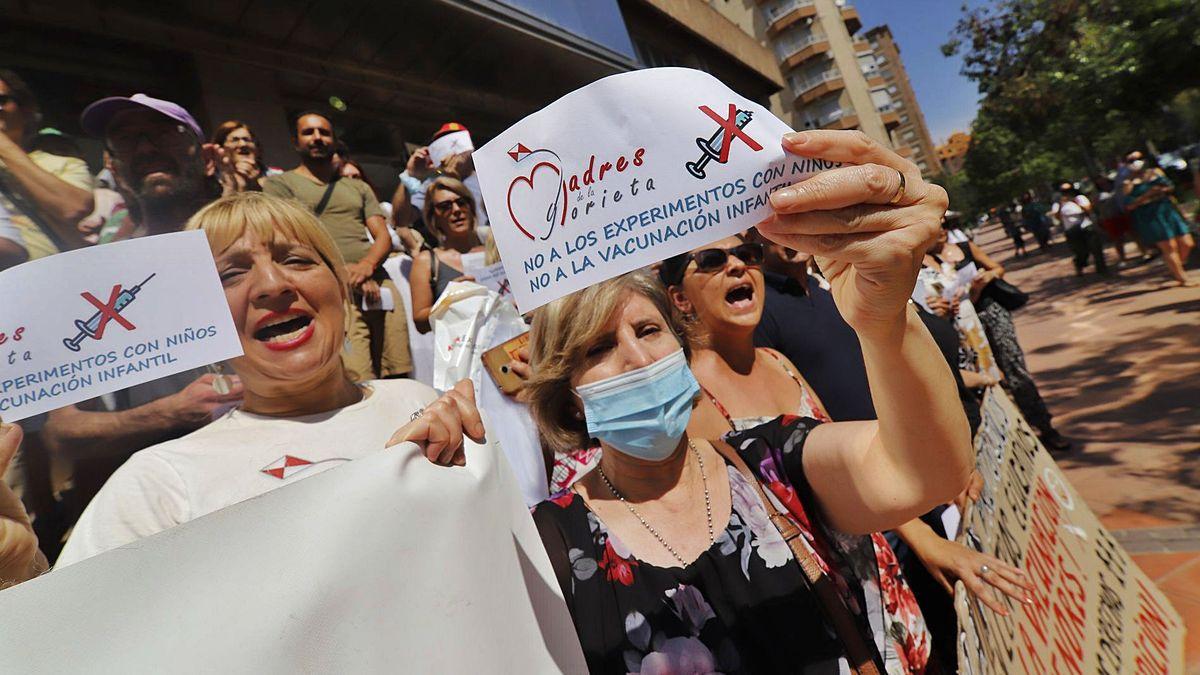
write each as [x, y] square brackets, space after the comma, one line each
[1069, 84]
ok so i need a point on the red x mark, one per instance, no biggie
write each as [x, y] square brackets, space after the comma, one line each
[108, 311]
[731, 129]
[503, 287]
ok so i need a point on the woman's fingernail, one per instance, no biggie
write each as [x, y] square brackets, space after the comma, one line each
[795, 138]
[782, 199]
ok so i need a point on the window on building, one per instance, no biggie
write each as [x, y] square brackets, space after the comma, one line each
[866, 63]
[904, 119]
[886, 73]
[910, 135]
[922, 166]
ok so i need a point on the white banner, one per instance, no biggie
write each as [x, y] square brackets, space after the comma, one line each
[627, 171]
[384, 564]
[83, 323]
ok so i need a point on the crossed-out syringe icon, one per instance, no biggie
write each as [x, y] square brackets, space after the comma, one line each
[91, 328]
[711, 147]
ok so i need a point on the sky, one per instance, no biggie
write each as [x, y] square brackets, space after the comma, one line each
[948, 100]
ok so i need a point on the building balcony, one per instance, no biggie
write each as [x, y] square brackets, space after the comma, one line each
[815, 88]
[875, 80]
[852, 19]
[890, 114]
[801, 52]
[862, 47]
[781, 14]
[904, 151]
[842, 123]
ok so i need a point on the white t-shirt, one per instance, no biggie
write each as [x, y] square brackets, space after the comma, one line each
[237, 457]
[1072, 213]
[8, 230]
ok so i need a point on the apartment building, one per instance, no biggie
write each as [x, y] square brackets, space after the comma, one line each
[953, 152]
[911, 135]
[813, 42]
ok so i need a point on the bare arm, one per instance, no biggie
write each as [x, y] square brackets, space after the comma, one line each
[869, 476]
[63, 204]
[74, 433]
[985, 260]
[11, 253]
[422, 293]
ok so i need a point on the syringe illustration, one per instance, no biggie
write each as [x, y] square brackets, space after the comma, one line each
[711, 147]
[91, 327]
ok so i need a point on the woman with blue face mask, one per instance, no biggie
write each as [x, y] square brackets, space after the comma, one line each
[670, 552]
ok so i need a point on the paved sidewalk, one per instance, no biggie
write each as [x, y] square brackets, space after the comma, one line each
[1118, 362]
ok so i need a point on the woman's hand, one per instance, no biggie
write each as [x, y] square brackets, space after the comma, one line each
[869, 248]
[371, 293]
[20, 559]
[970, 494]
[520, 367]
[938, 305]
[983, 575]
[440, 426]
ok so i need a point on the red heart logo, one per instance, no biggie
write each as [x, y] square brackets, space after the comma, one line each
[535, 208]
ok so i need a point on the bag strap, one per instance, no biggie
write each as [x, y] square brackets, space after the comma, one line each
[325, 197]
[863, 657]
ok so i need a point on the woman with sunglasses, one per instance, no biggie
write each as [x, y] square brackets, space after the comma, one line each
[450, 217]
[719, 290]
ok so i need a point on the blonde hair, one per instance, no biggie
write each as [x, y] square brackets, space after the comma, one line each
[562, 333]
[491, 253]
[230, 218]
[453, 185]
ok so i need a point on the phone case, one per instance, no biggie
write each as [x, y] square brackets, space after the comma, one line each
[497, 359]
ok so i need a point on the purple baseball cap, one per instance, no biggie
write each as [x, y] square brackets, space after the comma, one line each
[95, 117]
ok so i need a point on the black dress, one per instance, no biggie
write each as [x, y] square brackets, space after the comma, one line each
[743, 606]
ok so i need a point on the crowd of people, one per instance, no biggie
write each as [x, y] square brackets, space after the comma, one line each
[1134, 201]
[751, 446]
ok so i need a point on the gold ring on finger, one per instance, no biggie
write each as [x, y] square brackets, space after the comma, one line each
[900, 190]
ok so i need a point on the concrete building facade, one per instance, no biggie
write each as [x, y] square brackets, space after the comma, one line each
[911, 134]
[814, 45]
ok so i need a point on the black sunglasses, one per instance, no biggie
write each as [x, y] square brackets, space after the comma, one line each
[713, 259]
[444, 207]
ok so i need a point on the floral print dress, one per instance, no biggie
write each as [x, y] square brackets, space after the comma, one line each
[743, 606]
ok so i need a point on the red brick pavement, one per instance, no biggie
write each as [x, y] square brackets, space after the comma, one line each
[1118, 362]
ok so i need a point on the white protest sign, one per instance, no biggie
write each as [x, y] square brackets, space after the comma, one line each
[627, 171]
[84, 323]
[386, 563]
[385, 302]
[493, 277]
[450, 144]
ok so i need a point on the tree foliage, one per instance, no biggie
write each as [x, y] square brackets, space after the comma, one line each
[1070, 84]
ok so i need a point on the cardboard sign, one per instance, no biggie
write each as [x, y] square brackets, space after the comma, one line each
[1094, 611]
[627, 171]
[385, 563]
[84, 323]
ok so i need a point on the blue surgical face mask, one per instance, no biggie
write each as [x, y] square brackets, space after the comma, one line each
[642, 413]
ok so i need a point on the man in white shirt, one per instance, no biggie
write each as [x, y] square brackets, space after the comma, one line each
[1074, 213]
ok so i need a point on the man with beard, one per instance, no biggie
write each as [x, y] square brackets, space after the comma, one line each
[44, 191]
[348, 209]
[158, 159]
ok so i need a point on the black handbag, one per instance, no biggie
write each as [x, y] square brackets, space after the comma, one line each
[1008, 296]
